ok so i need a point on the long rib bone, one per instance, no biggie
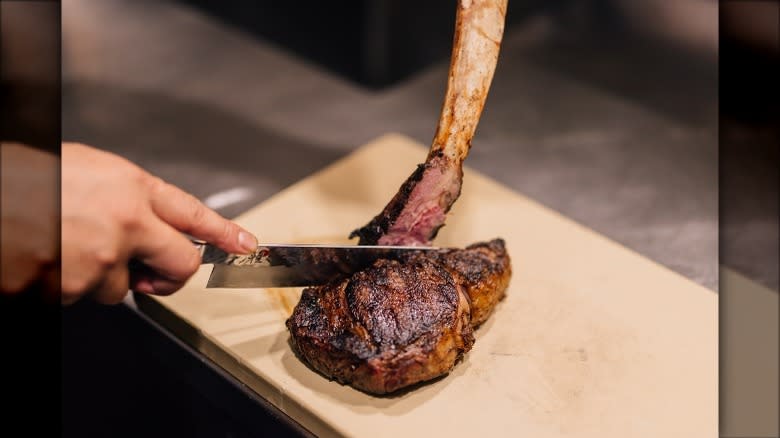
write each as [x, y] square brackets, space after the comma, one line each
[417, 212]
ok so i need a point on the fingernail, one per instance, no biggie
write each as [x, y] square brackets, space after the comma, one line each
[247, 242]
[144, 286]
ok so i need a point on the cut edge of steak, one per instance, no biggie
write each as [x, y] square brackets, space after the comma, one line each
[415, 214]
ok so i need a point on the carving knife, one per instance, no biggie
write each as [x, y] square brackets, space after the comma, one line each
[287, 265]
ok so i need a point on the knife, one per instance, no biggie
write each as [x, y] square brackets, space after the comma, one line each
[286, 265]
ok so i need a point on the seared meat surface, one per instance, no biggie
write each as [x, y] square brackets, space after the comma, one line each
[398, 323]
[483, 269]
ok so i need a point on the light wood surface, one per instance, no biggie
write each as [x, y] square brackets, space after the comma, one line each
[593, 340]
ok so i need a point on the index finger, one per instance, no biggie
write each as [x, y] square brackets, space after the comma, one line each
[187, 214]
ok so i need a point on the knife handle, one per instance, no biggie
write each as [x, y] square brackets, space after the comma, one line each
[209, 253]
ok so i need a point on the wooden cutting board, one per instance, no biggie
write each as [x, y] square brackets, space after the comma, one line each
[593, 340]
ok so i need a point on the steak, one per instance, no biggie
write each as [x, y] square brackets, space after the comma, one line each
[400, 322]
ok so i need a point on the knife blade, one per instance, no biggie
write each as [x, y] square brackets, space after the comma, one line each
[293, 265]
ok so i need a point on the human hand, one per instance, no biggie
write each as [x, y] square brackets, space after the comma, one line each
[29, 229]
[114, 212]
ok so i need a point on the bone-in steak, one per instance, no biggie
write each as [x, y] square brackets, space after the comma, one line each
[406, 321]
[398, 323]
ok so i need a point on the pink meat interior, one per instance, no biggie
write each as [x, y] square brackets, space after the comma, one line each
[426, 207]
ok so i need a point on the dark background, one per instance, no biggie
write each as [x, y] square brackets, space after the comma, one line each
[374, 43]
[120, 378]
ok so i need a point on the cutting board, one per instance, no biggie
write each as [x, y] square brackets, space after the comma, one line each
[593, 340]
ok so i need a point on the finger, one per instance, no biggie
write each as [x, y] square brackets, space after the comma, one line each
[156, 285]
[144, 280]
[90, 249]
[114, 287]
[140, 278]
[185, 213]
[165, 251]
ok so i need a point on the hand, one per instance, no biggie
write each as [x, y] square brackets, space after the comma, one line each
[29, 228]
[114, 212]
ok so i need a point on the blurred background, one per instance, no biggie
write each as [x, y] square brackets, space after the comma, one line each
[608, 111]
[603, 110]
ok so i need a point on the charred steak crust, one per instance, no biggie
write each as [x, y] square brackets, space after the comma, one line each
[386, 327]
[484, 270]
[398, 323]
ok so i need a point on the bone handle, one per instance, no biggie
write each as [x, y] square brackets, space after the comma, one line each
[479, 29]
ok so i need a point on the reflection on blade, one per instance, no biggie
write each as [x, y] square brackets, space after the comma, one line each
[227, 276]
[294, 265]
